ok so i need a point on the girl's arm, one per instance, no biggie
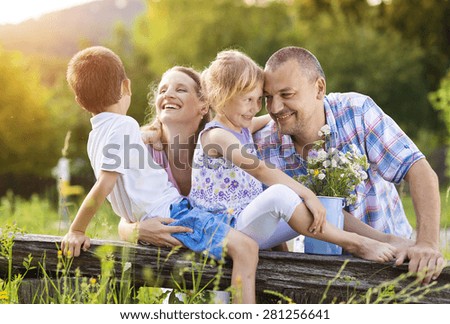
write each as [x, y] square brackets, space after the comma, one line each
[259, 122]
[76, 238]
[268, 174]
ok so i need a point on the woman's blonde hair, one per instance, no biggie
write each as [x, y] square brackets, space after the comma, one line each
[231, 73]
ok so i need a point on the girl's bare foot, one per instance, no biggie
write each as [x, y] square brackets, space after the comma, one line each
[372, 250]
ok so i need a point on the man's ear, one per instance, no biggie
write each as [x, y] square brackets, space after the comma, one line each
[126, 87]
[321, 87]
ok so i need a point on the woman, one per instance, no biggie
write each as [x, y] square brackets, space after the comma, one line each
[180, 114]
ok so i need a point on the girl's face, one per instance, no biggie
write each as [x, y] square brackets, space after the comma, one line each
[177, 100]
[239, 111]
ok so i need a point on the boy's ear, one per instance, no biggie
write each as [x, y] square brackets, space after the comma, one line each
[78, 102]
[126, 87]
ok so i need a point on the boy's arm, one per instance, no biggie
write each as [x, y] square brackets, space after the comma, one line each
[76, 238]
[259, 122]
[269, 175]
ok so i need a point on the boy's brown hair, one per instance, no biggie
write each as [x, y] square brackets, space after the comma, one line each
[95, 75]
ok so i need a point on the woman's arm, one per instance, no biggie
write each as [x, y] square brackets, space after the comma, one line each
[154, 231]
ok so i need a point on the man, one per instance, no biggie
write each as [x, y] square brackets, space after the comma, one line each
[295, 91]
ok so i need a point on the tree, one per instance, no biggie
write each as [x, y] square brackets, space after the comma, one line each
[358, 57]
[440, 99]
[426, 23]
[26, 123]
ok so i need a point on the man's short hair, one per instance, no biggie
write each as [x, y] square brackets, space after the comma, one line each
[305, 59]
[95, 75]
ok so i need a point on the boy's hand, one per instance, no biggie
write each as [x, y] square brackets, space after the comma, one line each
[318, 211]
[73, 241]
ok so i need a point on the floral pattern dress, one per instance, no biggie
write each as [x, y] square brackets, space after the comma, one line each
[218, 185]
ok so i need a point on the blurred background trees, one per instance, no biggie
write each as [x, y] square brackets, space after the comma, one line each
[395, 51]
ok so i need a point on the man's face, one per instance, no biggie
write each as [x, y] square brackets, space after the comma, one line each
[292, 98]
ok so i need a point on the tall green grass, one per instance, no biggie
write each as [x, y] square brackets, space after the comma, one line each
[40, 215]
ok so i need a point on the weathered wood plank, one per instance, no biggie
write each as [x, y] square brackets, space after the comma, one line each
[301, 277]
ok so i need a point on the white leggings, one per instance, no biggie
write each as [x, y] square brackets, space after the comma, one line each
[265, 218]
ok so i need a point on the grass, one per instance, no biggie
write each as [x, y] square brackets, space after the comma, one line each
[65, 285]
[445, 217]
[445, 209]
[38, 215]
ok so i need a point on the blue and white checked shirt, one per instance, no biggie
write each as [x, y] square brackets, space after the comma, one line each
[356, 119]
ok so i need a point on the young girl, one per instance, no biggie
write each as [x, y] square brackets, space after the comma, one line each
[227, 174]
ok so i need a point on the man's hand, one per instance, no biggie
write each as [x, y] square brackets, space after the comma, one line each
[423, 258]
[72, 243]
[155, 231]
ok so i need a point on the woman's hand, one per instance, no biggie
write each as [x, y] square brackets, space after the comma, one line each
[155, 231]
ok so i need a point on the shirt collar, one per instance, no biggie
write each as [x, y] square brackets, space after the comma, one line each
[331, 121]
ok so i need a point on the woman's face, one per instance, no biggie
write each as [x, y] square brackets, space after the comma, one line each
[177, 99]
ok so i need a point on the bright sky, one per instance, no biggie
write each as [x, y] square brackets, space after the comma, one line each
[15, 11]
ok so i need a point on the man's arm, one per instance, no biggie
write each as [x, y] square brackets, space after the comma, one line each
[259, 122]
[425, 254]
[76, 238]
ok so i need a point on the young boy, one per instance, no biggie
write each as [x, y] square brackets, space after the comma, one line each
[135, 185]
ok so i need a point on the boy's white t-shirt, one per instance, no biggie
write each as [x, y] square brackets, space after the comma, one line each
[142, 189]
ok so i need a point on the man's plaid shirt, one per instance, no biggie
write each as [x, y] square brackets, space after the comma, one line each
[356, 119]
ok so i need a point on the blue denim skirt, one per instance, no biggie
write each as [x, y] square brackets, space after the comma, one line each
[209, 230]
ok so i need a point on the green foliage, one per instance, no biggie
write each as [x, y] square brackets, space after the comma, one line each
[25, 120]
[357, 57]
[395, 52]
[37, 215]
[440, 99]
[425, 23]
[68, 286]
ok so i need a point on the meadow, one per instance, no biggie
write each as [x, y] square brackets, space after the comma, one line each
[41, 215]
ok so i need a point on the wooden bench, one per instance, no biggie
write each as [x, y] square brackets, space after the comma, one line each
[301, 277]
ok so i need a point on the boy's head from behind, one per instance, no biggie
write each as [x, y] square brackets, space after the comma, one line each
[95, 75]
[231, 73]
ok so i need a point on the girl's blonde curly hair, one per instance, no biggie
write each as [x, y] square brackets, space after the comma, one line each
[231, 73]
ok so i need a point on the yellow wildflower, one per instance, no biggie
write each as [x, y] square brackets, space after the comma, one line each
[3, 295]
